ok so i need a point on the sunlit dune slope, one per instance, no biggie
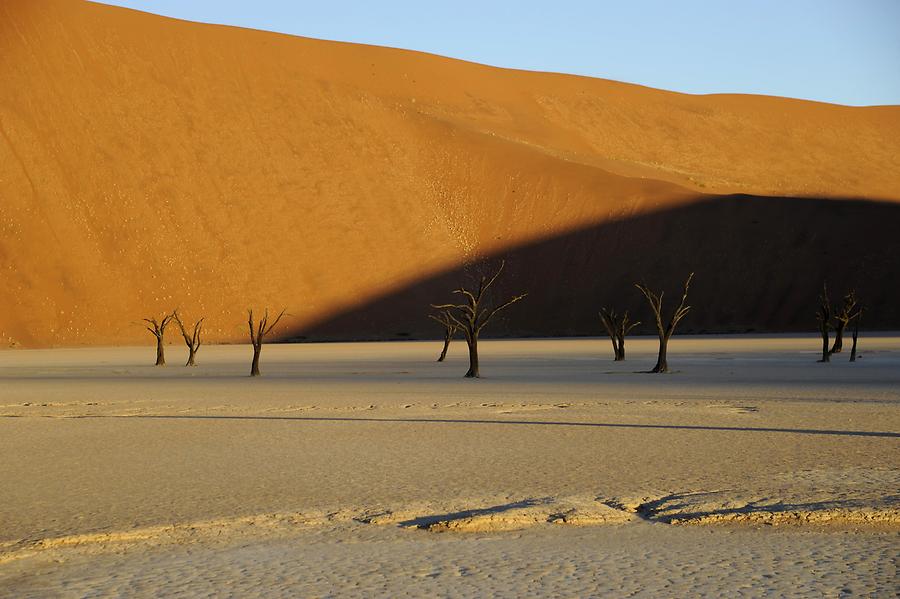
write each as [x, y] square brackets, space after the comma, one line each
[148, 163]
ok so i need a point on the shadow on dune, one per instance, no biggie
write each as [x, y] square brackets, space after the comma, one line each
[688, 427]
[759, 263]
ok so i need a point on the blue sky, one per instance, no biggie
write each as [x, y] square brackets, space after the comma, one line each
[842, 51]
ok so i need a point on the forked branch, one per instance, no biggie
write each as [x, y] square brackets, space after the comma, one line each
[191, 339]
[665, 329]
[842, 319]
[263, 327]
[471, 316]
[258, 332]
[158, 328]
[617, 328]
[451, 326]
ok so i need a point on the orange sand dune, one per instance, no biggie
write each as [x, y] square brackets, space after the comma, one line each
[148, 163]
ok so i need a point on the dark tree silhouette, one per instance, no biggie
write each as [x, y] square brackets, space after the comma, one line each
[158, 328]
[472, 316]
[665, 330]
[450, 329]
[617, 327]
[823, 315]
[192, 340]
[855, 334]
[257, 334]
[841, 319]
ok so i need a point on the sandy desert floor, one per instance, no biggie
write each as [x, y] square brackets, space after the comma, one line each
[370, 470]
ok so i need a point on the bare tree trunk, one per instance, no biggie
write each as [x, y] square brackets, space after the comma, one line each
[615, 343]
[473, 358]
[617, 327]
[160, 352]
[620, 351]
[191, 340]
[842, 319]
[826, 356]
[258, 332]
[254, 367]
[838, 337]
[824, 315]
[158, 328]
[855, 336]
[661, 364]
[450, 327]
[443, 355]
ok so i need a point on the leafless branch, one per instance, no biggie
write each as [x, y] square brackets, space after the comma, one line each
[491, 313]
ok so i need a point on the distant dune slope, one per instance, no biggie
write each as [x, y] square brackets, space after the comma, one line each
[148, 163]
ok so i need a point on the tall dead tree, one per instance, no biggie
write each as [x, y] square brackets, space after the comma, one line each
[257, 335]
[192, 339]
[664, 329]
[823, 315]
[450, 329]
[617, 327]
[472, 316]
[158, 328]
[842, 319]
[855, 334]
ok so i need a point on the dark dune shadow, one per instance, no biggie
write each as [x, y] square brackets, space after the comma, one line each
[759, 262]
[687, 427]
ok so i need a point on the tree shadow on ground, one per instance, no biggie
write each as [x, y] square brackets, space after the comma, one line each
[681, 507]
[687, 427]
[431, 520]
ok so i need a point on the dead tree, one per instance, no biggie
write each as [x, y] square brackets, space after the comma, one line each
[192, 340]
[472, 316]
[617, 327]
[823, 315]
[158, 328]
[450, 329]
[841, 319]
[262, 328]
[855, 334]
[665, 330]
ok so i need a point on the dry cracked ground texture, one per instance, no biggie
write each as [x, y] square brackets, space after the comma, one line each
[366, 469]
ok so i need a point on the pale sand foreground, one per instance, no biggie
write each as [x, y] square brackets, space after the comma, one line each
[369, 469]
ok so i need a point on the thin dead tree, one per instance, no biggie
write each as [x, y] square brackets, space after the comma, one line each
[450, 329]
[617, 327]
[472, 316]
[158, 328]
[842, 319]
[855, 334]
[192, 339]
[665, 330]
[257, 334]
[823, 315]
